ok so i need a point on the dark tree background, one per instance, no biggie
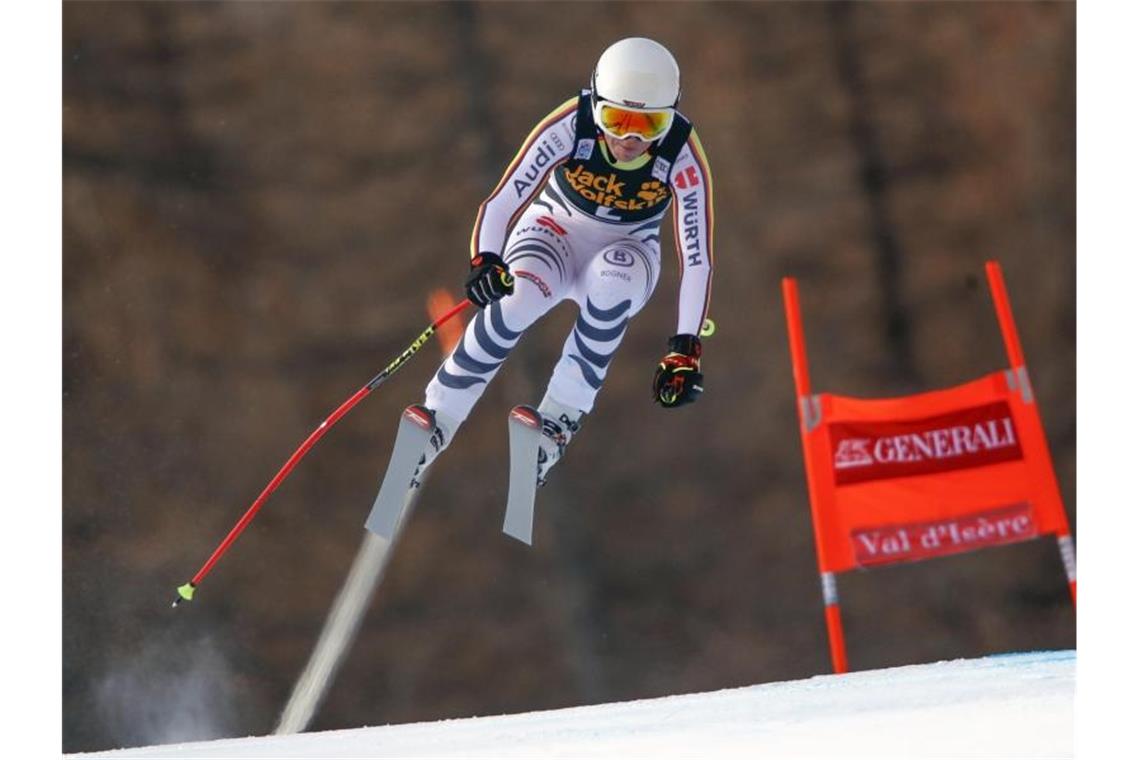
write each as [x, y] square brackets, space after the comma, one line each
[258, 198]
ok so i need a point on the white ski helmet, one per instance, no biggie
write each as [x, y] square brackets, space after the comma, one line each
[639, 73]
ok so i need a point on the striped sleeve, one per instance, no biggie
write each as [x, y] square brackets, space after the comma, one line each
[693, 233]
[547, 145]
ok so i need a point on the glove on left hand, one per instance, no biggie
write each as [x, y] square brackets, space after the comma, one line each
[678, 379]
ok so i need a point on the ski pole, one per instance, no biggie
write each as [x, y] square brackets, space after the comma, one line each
[186, 591]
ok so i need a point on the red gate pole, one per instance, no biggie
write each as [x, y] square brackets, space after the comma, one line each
[809, 412]
[1021, 376]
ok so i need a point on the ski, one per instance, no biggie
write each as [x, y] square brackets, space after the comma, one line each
[417, 424]
[525, 426]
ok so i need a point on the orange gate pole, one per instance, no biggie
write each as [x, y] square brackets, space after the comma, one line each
[440, 302]
[1021, 374]
[809, 411]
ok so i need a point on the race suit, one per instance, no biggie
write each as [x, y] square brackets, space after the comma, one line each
[585, 227]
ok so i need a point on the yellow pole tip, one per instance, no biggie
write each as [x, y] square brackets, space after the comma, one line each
[708, 328]
[187, 591]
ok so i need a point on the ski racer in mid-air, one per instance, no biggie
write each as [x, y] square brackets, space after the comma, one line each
[577, 215]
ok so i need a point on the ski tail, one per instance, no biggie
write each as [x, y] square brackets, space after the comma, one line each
[525, 426]
[417, 425]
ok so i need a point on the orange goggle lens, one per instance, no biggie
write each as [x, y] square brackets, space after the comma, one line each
[621, 122]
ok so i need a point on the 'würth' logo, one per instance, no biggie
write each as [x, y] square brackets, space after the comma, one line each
[972, 437]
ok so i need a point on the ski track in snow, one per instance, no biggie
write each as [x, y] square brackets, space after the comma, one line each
[1018, 705]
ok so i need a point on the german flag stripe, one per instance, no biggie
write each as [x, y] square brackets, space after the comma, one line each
[558, 113]
[677, 233]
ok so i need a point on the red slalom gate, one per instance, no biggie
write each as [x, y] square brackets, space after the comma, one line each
[910, 478]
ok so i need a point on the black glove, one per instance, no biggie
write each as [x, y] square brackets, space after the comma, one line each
[490, 280]
[678, 379]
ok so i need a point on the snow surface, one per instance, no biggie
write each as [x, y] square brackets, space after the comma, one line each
[1006, 706]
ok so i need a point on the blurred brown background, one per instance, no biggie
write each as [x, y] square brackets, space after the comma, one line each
[258, 198]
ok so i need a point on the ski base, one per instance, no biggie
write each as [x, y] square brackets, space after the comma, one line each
[416, 427]
[525, 427]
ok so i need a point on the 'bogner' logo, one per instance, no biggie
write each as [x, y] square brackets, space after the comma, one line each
[969, 438]
[608, 191]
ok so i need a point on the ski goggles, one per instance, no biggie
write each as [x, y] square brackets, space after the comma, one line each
[621, 122]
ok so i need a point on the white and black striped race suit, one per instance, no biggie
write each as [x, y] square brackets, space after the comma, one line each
[591, 233]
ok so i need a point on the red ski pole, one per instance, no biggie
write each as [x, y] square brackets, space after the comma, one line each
[187, 591]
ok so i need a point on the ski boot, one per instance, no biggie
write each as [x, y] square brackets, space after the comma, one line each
[439, 440]
[421, 437]
[559, 424]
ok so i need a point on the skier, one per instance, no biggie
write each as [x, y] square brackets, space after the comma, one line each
[577, 215]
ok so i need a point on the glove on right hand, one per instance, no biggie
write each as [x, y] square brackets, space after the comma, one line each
[678, 379]
[490, 280]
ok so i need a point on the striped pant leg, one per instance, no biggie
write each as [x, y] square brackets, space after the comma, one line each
[615, 286]
[540, 283]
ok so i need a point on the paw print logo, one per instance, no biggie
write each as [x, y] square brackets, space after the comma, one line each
[651, 192]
